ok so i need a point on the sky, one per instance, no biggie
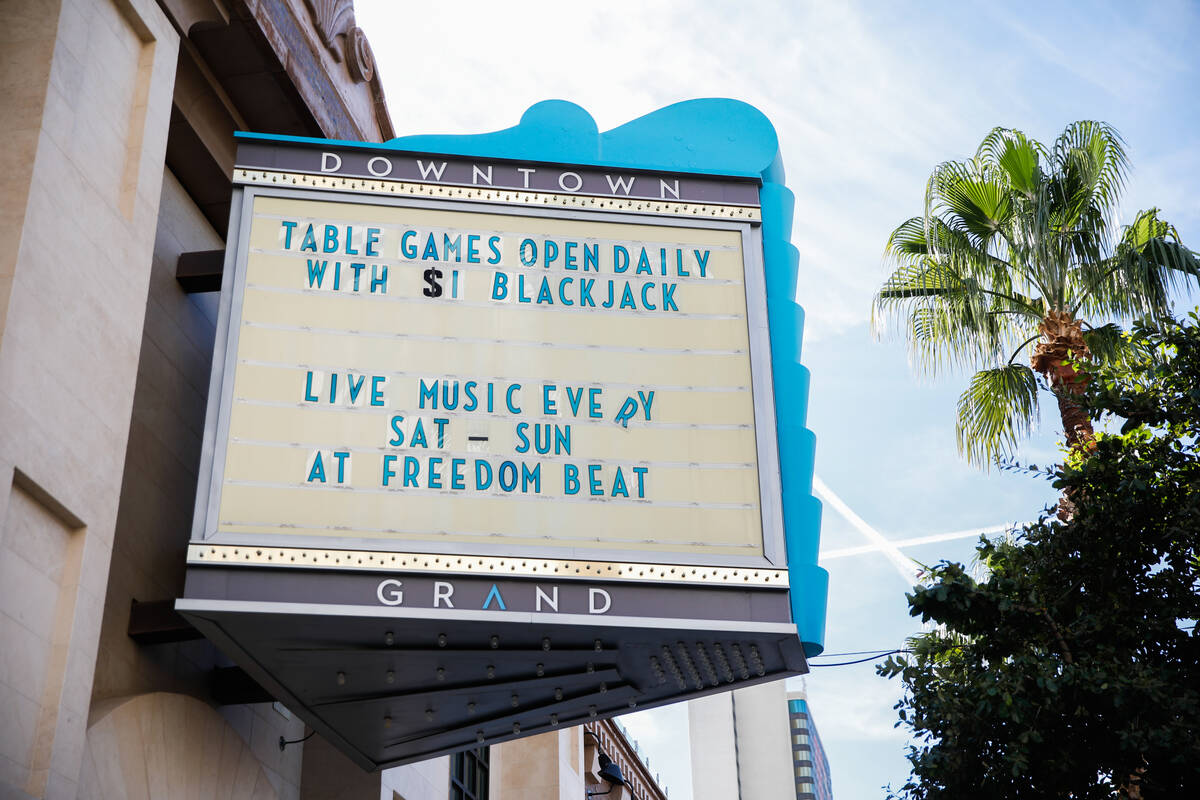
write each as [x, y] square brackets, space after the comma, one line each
[866, 98]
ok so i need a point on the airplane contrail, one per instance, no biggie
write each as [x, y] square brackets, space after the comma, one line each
[937, 537]
[904, 565]
[890, 548]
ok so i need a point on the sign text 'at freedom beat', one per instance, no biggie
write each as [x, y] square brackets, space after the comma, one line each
[507, 431]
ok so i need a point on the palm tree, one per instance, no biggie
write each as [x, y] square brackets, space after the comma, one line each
[1019, 253]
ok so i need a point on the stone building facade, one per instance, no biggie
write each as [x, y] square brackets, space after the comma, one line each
[114, 192]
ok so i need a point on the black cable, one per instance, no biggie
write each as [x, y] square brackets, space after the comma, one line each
[861, 660]
[853, 653]
[874, 655]
[285, 742]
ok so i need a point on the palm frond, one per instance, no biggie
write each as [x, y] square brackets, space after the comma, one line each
[954, 300]
[982, 205]
[1091, 168]
[1017, 157]
[953, 337]
[1146, 265]
[1091, 158]
[908, 241]
[1157, 242]
[971, 199]
[950, 321]
[999, 407]
[926, 279]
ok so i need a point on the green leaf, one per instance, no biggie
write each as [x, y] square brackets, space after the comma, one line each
[1019, 158]
[1108, 344]
[979, 204]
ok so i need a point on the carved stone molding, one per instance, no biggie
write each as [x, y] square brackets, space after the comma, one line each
[359, 58]
[334, 22]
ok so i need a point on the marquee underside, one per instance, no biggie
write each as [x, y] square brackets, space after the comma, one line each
[397, 685]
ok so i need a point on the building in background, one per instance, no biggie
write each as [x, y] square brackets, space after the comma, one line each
[561, 765]
[609, 737]
[740, 745]
[757, 743]
[808, 756]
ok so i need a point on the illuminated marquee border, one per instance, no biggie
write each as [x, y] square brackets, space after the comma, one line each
[321, 558]
[634, 205]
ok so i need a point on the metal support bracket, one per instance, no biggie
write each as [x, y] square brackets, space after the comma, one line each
[200, 270]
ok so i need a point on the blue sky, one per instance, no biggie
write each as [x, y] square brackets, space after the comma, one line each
[867, 98]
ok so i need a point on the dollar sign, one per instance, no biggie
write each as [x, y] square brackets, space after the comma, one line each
[434, 289]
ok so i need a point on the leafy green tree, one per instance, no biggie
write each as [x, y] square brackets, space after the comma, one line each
[1018, 254]
[1072, 669]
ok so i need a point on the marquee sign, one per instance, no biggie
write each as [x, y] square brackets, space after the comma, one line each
[496, 441]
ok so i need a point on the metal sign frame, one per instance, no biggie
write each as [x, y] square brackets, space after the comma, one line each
[224, 369]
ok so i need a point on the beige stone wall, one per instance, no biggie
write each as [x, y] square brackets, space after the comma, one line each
[72, 323]
[260, 725]
[169, 747]
[104, 367]
[548, 766]
[26, 49]
[39, 577]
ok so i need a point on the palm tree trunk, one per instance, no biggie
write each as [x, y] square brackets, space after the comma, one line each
[1076, 423]
[1061, 342]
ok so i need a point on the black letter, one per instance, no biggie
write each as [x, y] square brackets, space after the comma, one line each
[434, 289]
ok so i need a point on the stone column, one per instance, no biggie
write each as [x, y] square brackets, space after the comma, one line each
[86, 93]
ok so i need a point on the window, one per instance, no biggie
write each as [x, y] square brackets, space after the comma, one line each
[469, 775]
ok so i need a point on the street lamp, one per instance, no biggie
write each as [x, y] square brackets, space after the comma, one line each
[609, 771]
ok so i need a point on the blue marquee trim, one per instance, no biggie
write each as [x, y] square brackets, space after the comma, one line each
[712, 137]
[562, 132]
